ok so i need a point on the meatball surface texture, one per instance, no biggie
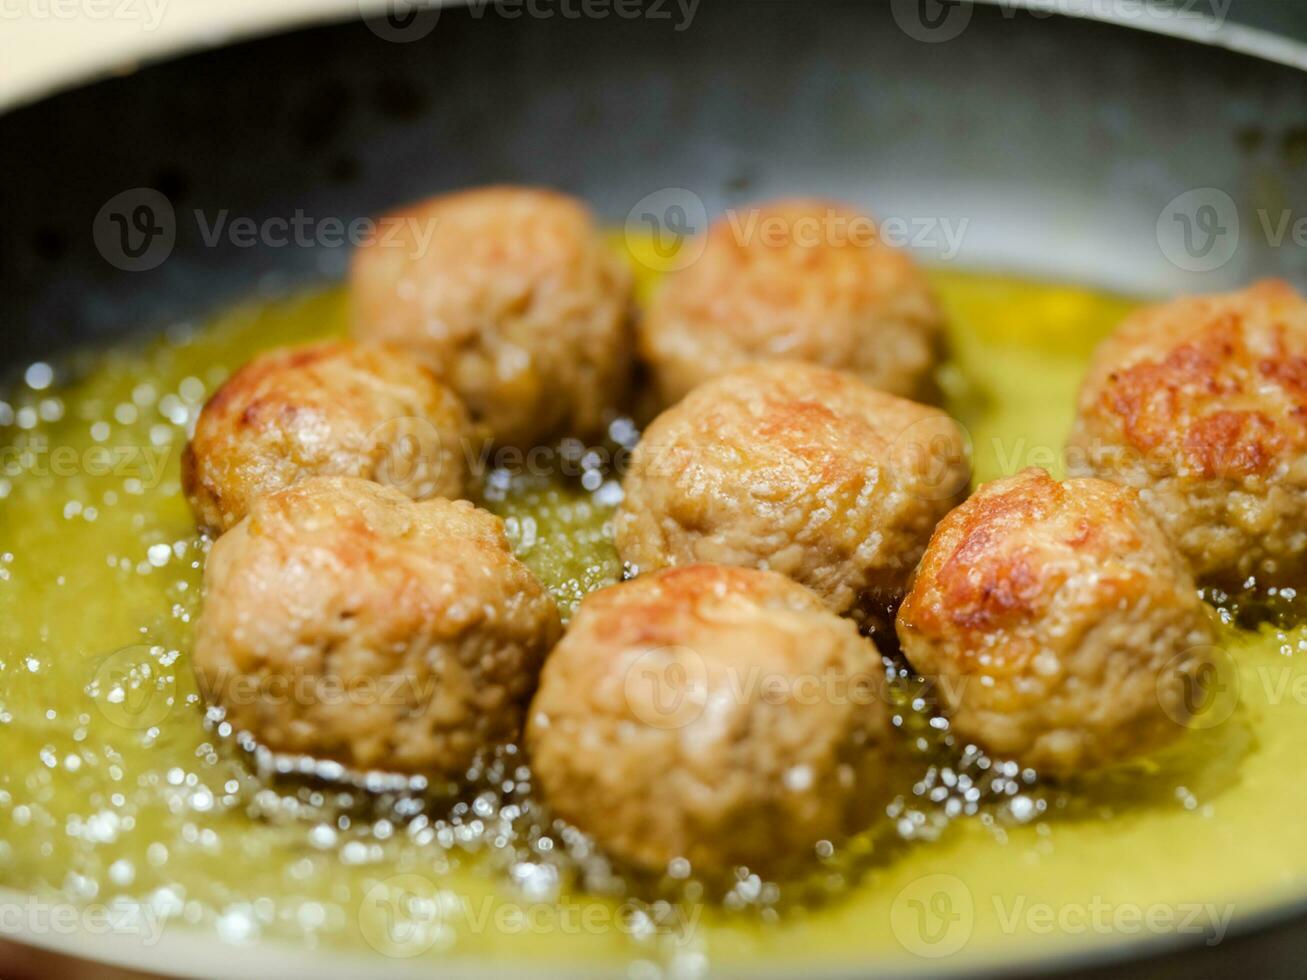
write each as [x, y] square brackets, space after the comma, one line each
[1201, 404]
[1062, 627]
[513, 298]
[797, 469]
[344, 621]
[331, 409]
[718, 715]
[802, 279]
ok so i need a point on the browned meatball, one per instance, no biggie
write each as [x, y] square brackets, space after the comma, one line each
[333, 409]
[798, 469]
[803, 279]
[1201, 404]
[1062, 626]
[343, 620]
[510, 295]
[718, 715]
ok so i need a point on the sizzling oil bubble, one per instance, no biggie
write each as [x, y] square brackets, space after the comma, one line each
[116, 789]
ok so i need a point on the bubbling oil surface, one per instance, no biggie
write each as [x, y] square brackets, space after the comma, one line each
[115, 791]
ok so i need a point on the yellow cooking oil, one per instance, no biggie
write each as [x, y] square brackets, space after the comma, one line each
[116, 792]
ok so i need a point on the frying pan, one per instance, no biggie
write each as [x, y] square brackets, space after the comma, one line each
[1142, 154]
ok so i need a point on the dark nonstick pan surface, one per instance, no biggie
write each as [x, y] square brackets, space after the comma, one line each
[1071, 148]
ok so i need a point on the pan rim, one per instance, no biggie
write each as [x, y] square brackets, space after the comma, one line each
[265, 22]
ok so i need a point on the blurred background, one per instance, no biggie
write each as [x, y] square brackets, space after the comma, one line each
[1282, 16]
[46, 43]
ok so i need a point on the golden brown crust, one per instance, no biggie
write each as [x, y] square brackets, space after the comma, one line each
[796, 468]
[1039, 603]
[802, 279]
[1211, 383]
[345, 621]
[1000, 561]
[1201, 403]
[329, 409]
[512, 297]
[721, 715]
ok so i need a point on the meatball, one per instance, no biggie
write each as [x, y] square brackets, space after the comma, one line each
[344, 621]
[513, 298]
[807, 280]
[1201, 404]
[1061, 626]
[333, 409]
[798, 469]
[718, 715]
